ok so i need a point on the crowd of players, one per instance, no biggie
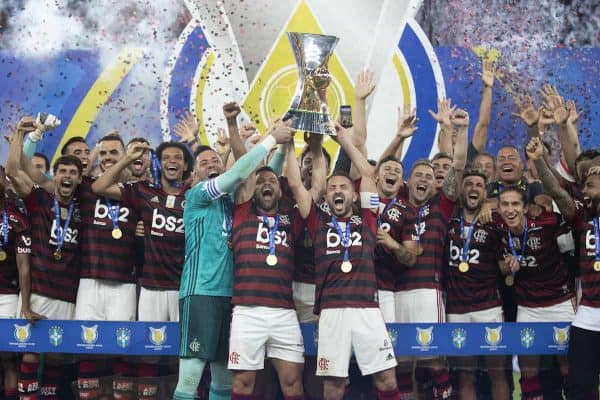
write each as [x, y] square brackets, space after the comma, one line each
[244, 241]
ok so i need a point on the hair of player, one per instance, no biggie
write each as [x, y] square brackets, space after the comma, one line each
[510, 146]
[46, 161]
[68, 160]
[340, 172]
[74, 139]
[485, 154]
[201, 149]
[442, 154]
[138, 139]
[516, 189]
[305, 151]
[474, 172]
[420, 162]
[112, 136]
[388, 159]
[187, 156]
[265, 168]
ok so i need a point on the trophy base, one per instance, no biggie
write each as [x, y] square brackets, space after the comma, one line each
[311, 121]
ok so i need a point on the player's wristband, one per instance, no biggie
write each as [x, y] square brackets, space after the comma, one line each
[369, 200]
[268, 142]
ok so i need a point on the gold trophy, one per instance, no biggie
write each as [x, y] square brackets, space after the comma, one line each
[309, 111]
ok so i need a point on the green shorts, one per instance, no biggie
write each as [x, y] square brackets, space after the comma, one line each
[204, 324]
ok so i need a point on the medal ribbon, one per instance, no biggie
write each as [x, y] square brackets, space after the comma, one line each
[464, 253]
[60, 233]
[419, 231]
[385, 209]
[345, 239]
[596, 238]
[5, 229]
[228, 211]
[155, 169]
[511, 243]
[272, 232]
[114, 211]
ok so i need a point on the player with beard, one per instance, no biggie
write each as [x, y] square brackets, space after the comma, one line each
[140, 168]
[418, 294]
[346, 297]
[107, 286]
[584, 352]
[207, 278]
[395, 248]
[15, 250]
[55, 226]
[265, 229]
[160, 206]
[471, 281]
[544, 291]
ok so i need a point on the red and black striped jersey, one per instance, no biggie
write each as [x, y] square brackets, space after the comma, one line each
[164, 242]
[256, 283]
[583, 224]
[476, 289]
[543, 278]
[394, 217]
[335, 288]
[102, 256]
[19, 242]
[429, 227]
[57, 279]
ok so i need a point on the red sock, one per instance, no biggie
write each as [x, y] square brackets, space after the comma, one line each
[388, 394]
[531, 389]
[442, 386]
[235, 396]
[49, 389]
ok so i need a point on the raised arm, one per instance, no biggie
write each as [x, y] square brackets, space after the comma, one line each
[106, 185]
[569, 136]
[445, 110]
[319, 174]
[231, 111]
[488, 72]
[301, 194]
[406, 127]
[535, 151]
[452, 182]
[21, 181]
[363, 89]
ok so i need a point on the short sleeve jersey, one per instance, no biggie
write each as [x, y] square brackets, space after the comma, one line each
[583, 224]
[18, 241]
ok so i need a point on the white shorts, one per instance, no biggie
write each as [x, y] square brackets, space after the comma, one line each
[256, 329]
[420, 306]
[9, 305]
[50, 308]
[104, 300]
[304, 300]
[493, 314]
[387, 305]
[158, 305]
[564, 311]
[363, 330]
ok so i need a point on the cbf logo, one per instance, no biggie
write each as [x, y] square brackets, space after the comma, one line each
[22, 333]
[459, 338]
[393, 334]
[55, 335]
[123, 337]
[527, 337]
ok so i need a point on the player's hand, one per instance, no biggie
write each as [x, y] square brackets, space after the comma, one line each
[407, 122]
[485, 214]
[445, 110]
[231, 110]
[282, 131]
[31, 316]
[386, 240]
[460, 118]
[534, 210]
[573, 115]
[534, 149]
[527, 112]
[24, 126]
[222, 145]
[364, 85]
[136, 150]
[488, 72]
[512, 263]
[187, 128]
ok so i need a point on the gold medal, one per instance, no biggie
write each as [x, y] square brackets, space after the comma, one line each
[2, 255]
[509, 280]
[419, 251]
[64, 213]
[597, 266]
[57, 255]
[346, 266]
[463, 266]
[271, 260]
[117, 233]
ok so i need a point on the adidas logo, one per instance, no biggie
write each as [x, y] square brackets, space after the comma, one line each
[389, 357]
[155, 199]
